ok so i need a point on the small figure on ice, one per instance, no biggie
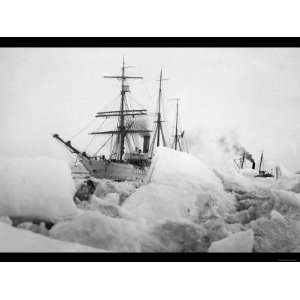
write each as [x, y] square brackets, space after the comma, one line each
[86, 189]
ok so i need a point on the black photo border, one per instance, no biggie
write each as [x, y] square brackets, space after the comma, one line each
[159, 42]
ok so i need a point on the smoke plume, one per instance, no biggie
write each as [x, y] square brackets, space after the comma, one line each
[235, 148]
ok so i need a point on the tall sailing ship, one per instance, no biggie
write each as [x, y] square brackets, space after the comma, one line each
[125, 161]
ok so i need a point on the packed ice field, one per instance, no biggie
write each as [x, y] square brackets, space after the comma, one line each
[183, 205]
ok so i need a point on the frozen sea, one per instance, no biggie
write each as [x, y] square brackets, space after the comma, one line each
[183, 206]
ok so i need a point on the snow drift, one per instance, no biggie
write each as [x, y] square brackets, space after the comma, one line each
[177, 185]
[105, 187]
[183, 206]
[156, 202]
[36, 187]
[238, 242]
[95, 229]
[182, 170]
[19, 240]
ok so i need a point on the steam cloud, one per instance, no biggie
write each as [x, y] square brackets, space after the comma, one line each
[236, 148]
[141, 123]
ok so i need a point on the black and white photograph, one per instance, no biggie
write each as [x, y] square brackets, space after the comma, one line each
[189, 150]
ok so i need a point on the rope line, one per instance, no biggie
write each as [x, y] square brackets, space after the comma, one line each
[102, 146]
[81, 130]
[92, 139]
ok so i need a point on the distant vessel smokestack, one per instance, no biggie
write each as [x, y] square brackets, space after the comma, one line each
[146, 143]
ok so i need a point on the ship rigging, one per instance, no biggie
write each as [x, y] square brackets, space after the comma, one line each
[159, 134]
[177, 143]
[126, 161]
[124, 129]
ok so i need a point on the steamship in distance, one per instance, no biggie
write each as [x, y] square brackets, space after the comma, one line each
[240, 163]
[126, 161]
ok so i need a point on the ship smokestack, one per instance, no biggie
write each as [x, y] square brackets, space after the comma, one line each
[250, 158]
[146, 143]
[253, 164]
[143, 124]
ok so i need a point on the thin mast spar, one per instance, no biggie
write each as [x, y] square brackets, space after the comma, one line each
[261, 161]
[121, 118]
[158, 131]
[176, 137]
[159, 127]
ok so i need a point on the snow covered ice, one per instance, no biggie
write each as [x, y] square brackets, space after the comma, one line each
[18, 240]
[184, 205]
[36, 187]
[236, 242]
[177, 185]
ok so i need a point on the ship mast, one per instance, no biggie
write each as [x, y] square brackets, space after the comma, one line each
[177, 135]
[121, 118]
[158, 132]
[176, 127]
[159, 121]
[261, 160]
[122, 131]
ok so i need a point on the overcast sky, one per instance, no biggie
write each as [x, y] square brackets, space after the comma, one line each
[253, 91]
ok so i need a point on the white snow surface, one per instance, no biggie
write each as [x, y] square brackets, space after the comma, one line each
[180, 169]
[238, 242]
[106, 186]
[184, 205]
[155, 202]
[177, 184]
[6, 220]
[288, 197]
[95, 229]
[36, 187]
[19, 240]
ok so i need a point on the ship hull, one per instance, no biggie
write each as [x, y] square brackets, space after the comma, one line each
[115, 170]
